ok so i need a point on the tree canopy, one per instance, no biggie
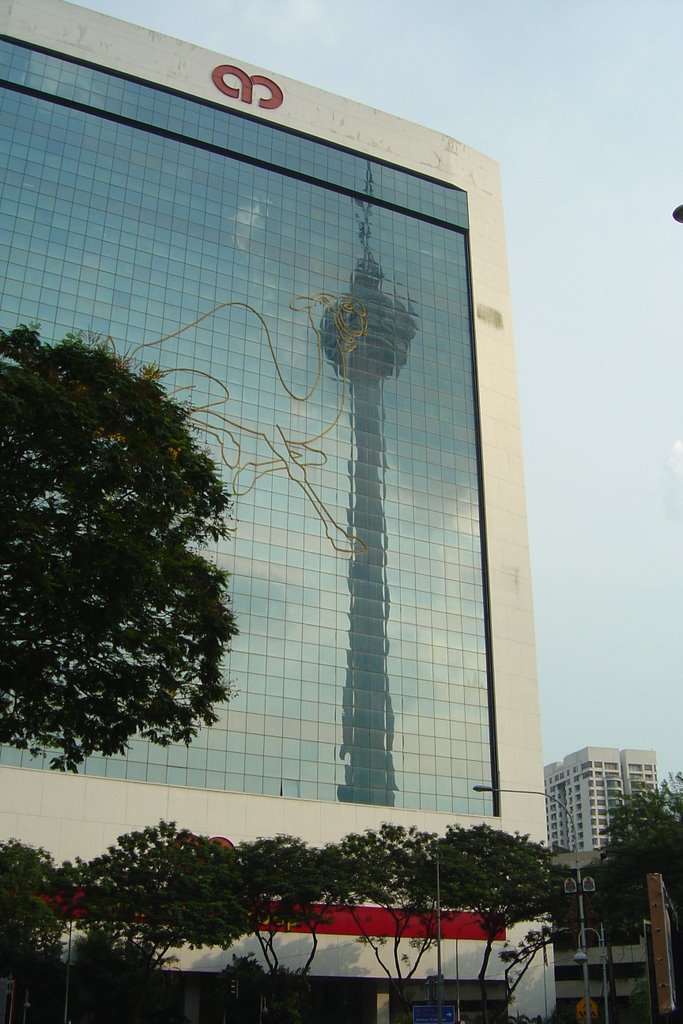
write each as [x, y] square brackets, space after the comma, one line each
[31, 926]
[504, 879]
[163, 888]
[154, 891]
[31, 922]
[286, 884]
[393, 867]
[645, 836]
[111, 620]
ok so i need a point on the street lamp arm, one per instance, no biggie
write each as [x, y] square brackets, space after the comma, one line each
[538, 792]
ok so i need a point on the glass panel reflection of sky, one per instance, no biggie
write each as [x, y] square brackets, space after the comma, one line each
[325, 342]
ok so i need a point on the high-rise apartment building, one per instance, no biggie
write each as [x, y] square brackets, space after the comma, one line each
[583, 787]
[327, 286]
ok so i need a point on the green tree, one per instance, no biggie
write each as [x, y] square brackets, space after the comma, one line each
[30, 920]
[263, 995]
[111, 621]
[645, 835]
[107, 977]
[31, 927]
[394, 868]
[505, 880]
[639, 1001]
[286, 884]
[158, 890]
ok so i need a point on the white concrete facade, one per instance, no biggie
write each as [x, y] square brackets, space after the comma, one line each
[585, 784]
[74, 815]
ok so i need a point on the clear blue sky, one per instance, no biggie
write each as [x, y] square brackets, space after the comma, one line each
[580, 101]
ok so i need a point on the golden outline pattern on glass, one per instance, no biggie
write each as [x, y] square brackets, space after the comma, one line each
[350, 319]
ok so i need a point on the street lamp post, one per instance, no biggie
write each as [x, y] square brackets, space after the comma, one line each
[457, 937]
[457, 979]
[68, 970]
[439, 980]
[582, 958]
[577, 870]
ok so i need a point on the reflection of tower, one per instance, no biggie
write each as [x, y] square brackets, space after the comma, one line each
[367, 716]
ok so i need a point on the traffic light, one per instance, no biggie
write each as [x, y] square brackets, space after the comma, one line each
[433, 983]
[233, 988]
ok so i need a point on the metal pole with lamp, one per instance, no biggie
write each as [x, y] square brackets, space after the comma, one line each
[439, 980]
[577, 869]
[457, 979]
[581, 958]
[68, 971]
[458, 936]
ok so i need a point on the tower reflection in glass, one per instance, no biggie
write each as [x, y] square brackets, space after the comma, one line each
[156, 232]
[367, 715]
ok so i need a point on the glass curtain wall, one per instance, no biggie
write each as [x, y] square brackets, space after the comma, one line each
[313, 307]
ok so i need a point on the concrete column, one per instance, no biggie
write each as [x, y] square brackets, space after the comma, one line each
[383, 1002]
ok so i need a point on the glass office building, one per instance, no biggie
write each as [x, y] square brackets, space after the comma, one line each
[326, 286]
[314, 307]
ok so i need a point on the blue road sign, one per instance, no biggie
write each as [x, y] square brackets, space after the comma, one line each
[430, 1014]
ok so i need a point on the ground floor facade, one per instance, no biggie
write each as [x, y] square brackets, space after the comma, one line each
[77, 816]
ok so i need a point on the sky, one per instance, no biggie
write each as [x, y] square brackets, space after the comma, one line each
[580, 102]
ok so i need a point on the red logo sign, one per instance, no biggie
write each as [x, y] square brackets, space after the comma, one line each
[245, 90]
[223, 841]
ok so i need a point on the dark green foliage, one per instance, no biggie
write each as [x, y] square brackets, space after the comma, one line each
[286, 883]
[565, 1013]
[107, 978]
[157, 890]
[645, 836]
[278, 997]
[393, 867]
[162, 888]
[504, 879]
[41, 979]
[639, 1001]
[31, 928]
[30, 922]
[111, 621]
